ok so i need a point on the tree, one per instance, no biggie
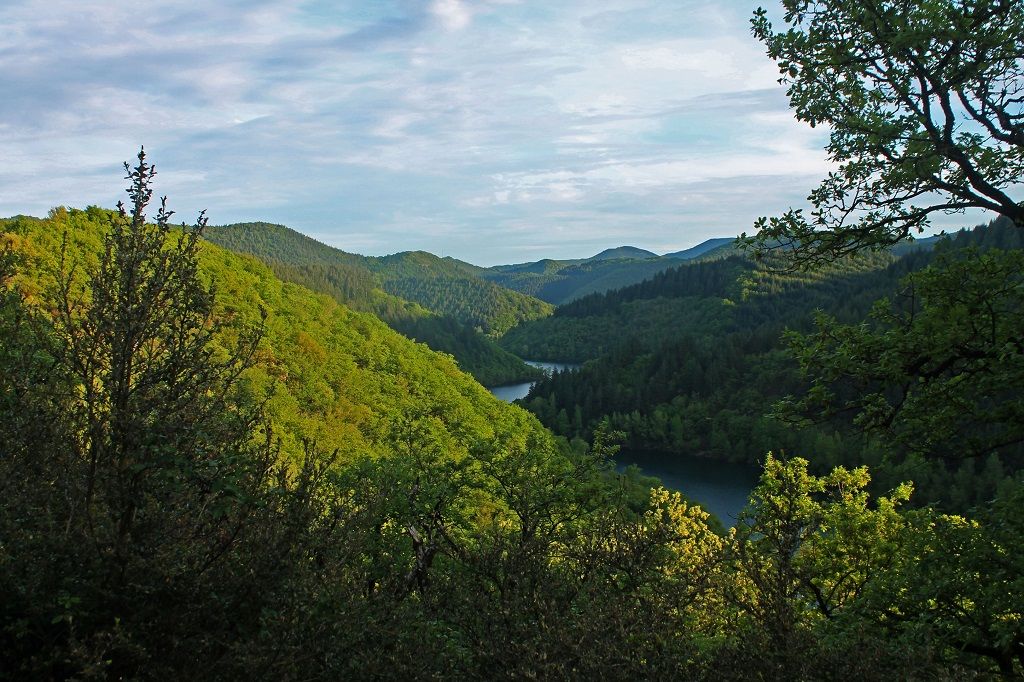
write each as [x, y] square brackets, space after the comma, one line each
[133, 500]
[925, 103]
[801, 556]
[957, 585]
[939, 371]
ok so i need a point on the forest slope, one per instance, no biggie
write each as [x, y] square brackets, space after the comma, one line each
[693, 359]
[331, 375]
[367, 284]
[443, 285]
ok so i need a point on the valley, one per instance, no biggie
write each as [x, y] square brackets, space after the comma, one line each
[687, 362]
[304, 426]
[512, 341]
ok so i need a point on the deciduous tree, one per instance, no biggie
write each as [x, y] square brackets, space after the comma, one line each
[924, 102]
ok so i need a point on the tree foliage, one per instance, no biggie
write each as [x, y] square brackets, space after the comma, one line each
[924, 102]
[940, 369]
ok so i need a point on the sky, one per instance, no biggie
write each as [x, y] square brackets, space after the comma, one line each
[494, 131]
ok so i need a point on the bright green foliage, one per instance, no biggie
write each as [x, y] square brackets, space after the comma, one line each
[443, 285]
[359, 283]
[940, 369]
[800, 558]
[328, 374]
[923, 103]
[354, 287]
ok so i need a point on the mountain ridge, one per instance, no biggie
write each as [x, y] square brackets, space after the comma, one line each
[357, 281]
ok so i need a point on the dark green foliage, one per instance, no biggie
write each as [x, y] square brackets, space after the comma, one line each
[716, 279]
[141, 480]
[940, 371]
[922, 101]
[693, 360]
[482, 305]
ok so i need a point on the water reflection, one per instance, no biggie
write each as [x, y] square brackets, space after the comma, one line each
[719, 487]
[512, 392]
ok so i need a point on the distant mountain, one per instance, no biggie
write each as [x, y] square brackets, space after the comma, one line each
[624, 252]
[562, 281]
[701, 249]
[438, 301]
[559, 282]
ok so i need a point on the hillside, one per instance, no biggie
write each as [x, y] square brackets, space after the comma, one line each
[693, 359]
[563, 281]
[443, 285]
[331, 375]
[700, 249]
[368, 284]
[559, 282]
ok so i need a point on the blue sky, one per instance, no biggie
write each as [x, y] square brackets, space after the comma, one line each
[494, 131]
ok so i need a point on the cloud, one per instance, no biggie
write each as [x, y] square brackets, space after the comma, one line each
[453, 14]
[482, 128]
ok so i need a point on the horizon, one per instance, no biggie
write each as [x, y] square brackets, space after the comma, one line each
[492, 265]
[493, 131]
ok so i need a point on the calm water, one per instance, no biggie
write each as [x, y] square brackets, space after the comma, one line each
[511, 392]
[719, 487]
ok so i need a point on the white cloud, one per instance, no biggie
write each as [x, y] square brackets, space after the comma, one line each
[508, 124]
[452, 14]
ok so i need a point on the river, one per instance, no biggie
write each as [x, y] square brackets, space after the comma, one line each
[719, 487]
[511, 392]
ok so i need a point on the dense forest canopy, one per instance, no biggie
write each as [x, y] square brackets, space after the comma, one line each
[443, 285]
[207, 472]
[694, 360]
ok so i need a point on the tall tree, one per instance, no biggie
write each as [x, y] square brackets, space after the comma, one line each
[142, 488]
[925, 104]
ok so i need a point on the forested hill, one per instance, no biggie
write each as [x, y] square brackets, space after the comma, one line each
[339, 378]
[693, 359]
[442, 285]
[562, 281]
[358, 282]
[559, 282]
